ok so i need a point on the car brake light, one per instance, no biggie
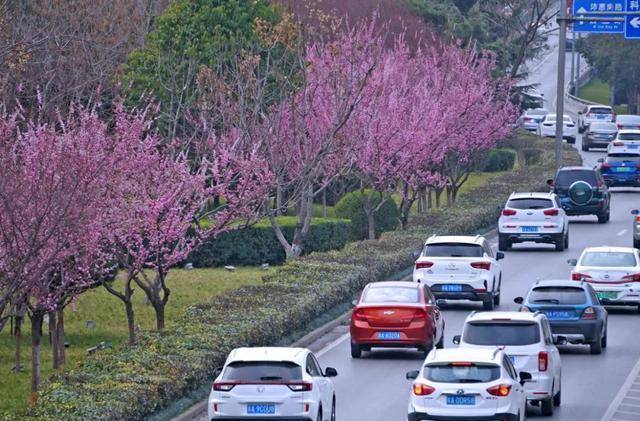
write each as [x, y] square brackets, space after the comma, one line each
[419, 313]
[224, 386]
[543, 361]
[632, 278]
[461, 364]
[527, 119]
[359, 315]
[481, 265]
[215, 407]
[638, 218]
[620, 126]
[579, 276]
[551, 212]
[589, 313]
[606, 165]
[500, 390]
[423, 265]
[300, 387]
[420, 389]
[508, 212]
[618, 143]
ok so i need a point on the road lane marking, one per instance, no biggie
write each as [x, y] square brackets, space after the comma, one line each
[621, 233]
[332, 345]
[613, 409]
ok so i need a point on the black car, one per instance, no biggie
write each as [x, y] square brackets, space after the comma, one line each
[598, 135]
[582, 191]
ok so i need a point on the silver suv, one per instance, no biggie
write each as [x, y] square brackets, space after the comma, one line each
[593, 113]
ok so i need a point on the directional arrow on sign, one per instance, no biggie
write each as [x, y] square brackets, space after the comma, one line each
[635, 22]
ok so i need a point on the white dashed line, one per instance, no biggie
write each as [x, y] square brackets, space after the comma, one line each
[621, 233]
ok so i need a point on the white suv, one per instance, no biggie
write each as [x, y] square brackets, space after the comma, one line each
[527, 339]
[534, 217]
[593, 113]
[462, 384]
[274, 383]
[460, 268]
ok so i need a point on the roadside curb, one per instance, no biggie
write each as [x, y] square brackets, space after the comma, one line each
[625, 405]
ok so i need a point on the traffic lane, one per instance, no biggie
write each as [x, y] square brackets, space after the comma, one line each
[375, 388]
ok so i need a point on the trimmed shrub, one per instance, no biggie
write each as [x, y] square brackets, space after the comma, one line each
[258, 244]
[500, 160]
[350, 207]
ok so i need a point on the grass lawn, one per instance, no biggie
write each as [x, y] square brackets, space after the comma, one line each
[187, 287]
[598, 91]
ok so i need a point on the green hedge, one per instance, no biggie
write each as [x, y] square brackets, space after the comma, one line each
[258, 244]
[500, 160]
[124, 384]
[350, 207]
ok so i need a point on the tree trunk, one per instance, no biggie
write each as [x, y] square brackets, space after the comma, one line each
[36, 337]
[62, 357]
[159, 309]
[438, 196]
[371, 224]
[128, 306]
[53, 340]
[18, 335]
[421, 202]
[278, 200]
[454, 193]
[324, 203]
[126, 298]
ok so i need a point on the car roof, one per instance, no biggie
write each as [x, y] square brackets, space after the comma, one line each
[502, 315]
[405, 284]
[537, 195]
[599, 106]
[574, 168]
[481, 355]
[295, 355]
[628, 131]
[610, 249]
[557, 283]
[468, 239]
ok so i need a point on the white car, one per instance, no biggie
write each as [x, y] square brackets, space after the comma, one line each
[628, 121]
[547, 128]
[530, 119]
[460, 268]
[527, 339]
[536, 217]
[592, 113]
[463, 384]
[614, 272]
[273, 383]
[625, 141]
[628, 135]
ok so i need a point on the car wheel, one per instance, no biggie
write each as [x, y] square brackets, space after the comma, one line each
[503, 243]
[603, 341]
[356, 350]
[427, 348]
[560, 243]
[571, 140]
[566, 240]
[487, 304]
[319, 414]
[557, 398]
[546, 407]
[636, 244]
[496, 299]
[585, 147]
[603, 218]
[440, 344]
[596, 346]
[333, 409]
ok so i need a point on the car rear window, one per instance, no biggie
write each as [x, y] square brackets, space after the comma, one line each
[391, 295]
[453, 250]
[567, 178]
[608, 259]
[628, 136]
[558, 295]
[530, 203]
[453, 373]
[603, 126]
[600, 111]
[622, 157]
[262, 371]
[501, 333]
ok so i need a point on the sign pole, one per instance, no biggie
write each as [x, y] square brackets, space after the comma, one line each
[573, 61]
[562, 45]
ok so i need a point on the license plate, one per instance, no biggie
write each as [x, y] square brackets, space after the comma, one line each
[451, 288]
[632, 146]
[461, 400]
[607, 294]
[601, 116]
[624, 169]
[388, 335]
[529, 229]
[557, 314]
[261, 409]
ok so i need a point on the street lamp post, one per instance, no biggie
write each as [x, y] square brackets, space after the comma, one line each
[562, 45]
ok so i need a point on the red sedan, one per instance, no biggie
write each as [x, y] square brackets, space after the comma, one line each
[396, 315]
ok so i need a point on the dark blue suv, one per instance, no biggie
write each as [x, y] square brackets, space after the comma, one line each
[573, 310]
[621, 169]
[582, 191]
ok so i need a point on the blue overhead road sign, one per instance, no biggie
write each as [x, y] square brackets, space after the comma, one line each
[632, 21]
[601, 9]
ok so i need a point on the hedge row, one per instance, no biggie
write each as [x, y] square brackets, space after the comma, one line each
[351, 207]
[126, 384]
[500, 159]
[258, 244]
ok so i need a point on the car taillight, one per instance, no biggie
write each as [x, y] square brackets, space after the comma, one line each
[528, 119]
[618, 143]
[606, 165]
[224, 386]
[419, 314]
[300, 387]
[481, 265]
[576, 276]
[508, 212]
[588, 313]
[638, 218]
[359, 314]
[500, 390]
[632, 278]
[551, 212]
[543, 361]
[420, 389]
[423, 265]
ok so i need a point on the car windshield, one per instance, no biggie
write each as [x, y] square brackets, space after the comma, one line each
[529, 203]
[458, 373]
[567, 178]
[600, 111]
[619, 158]
[261, 371]
[608, 259]
[557, 295]
[391, 295]
[628, 136]
[501, 333]
[605, 127]
[453, 250]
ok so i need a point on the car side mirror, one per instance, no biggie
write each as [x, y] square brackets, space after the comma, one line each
[550, 183]
[330, 372]
[518, 300]
[354, 302]
[559, 340]
[217, 371]
[579, 112]
[456, 340]
[525, 377]
[412, 375]
[499, 255]
[416, 254]
[572, 262]
[635, 212]
[440, 302]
